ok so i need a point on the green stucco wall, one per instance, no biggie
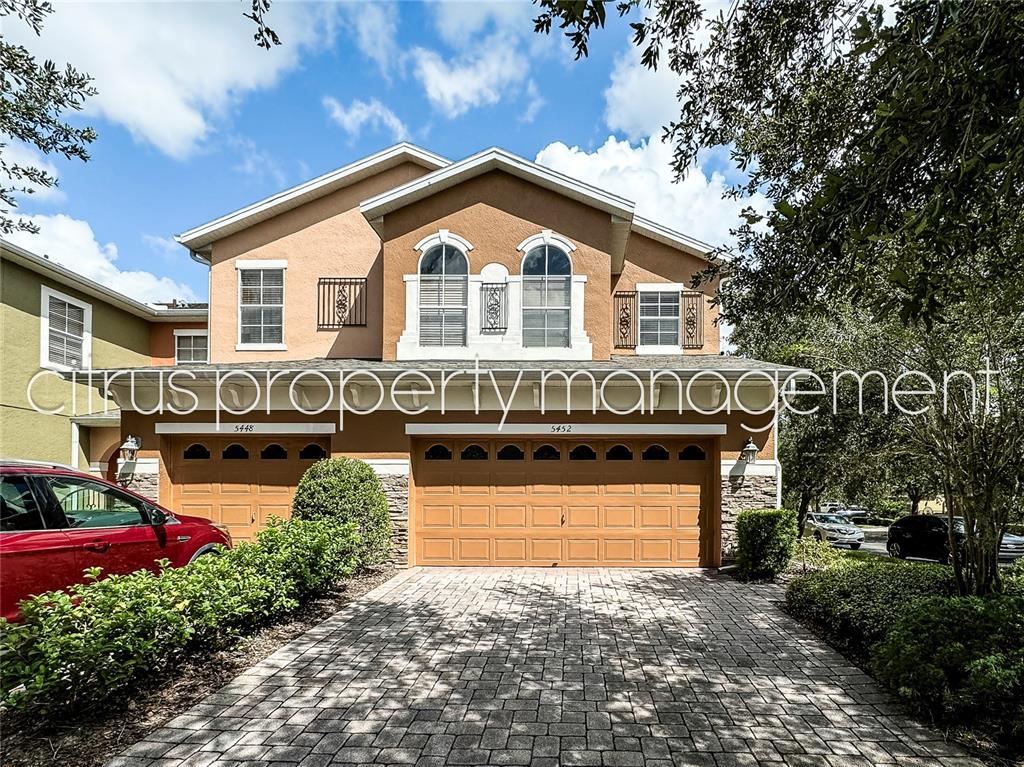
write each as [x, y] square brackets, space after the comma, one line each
[119, 339]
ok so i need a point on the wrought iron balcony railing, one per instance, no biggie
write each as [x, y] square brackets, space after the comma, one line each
[341, 302]
[493, 307]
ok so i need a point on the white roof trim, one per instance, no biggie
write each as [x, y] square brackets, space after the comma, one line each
[65, 276]
[494, 159]
[203, 235]
[546, 237]
[670, 237]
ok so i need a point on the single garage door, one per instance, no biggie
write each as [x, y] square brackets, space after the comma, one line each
[622, 503]
[239, 483]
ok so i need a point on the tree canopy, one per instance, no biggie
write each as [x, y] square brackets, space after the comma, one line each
[892, 148]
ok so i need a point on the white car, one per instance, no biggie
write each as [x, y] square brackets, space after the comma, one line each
[834, 528]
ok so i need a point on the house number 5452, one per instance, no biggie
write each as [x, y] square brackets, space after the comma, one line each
[561, 428]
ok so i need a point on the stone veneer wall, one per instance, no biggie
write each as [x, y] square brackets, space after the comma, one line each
[396, 488]
[745, 491]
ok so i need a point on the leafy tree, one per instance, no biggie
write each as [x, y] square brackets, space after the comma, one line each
[33, 98]
[893, 150]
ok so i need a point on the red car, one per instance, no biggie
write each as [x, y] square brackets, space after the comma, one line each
[55, 522]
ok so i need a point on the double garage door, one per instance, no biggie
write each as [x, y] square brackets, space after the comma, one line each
[634, 503]
[238, 482]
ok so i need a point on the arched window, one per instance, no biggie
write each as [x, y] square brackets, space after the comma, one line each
[196, 452]
[583, 453]
[654, 453]
[547, 296]
[618, 453]
[547, 453]
[473, 453]
[312, 452]
[234, 452]
[273, 452]
[438, 452]
[444, 296]
[511, 453]
[692, 453]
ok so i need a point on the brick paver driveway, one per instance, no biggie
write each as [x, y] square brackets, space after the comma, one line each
[547, 667]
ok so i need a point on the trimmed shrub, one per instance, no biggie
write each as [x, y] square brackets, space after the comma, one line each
[765, 539]
[76, 648]
[810, 555]
[856, 605]
[347, 490]
[961, 660]
[889, 508]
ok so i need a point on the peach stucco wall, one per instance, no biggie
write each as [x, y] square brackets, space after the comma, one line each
[495, 212]
[161, 339]
[327, 237]
[648, 260]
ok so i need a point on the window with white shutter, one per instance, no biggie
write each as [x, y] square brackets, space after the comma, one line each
[261, 307]
[66, 337]
[444, 296]
[547, 297]
[659, 318]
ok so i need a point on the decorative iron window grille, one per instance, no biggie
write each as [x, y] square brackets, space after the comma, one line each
[625, 329]
[692, 317]
[341, 302]
[493, 307]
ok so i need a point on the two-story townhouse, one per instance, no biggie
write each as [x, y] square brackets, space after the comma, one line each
[426, 300]
[55, 322]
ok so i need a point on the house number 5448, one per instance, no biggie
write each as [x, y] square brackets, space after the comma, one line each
[243, 427]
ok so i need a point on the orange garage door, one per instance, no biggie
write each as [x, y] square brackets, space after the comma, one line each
[541, 502]
[239, 483]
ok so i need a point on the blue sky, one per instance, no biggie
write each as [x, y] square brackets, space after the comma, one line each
[195, 121]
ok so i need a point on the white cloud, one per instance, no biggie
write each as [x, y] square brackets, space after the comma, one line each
[168, 71]
[165, 246]
[642, 173]
[536, 101]
[458, 22]
[72, 244]
[257, 163]
[370, 114]
[374, 28]
[25, 156]
[640, 101]
[456, 86]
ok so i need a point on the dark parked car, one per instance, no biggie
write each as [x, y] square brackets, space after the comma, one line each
[55, 522]
[926, 536]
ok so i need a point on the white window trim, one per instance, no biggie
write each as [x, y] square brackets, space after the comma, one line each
[442, 237]
[261, 265]
[546, 237]
[44, 329]
[660, 287]
[191, 332]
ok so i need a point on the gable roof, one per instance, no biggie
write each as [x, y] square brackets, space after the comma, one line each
[199, 237]
[618, 208]
[64, 276]
[484, 162]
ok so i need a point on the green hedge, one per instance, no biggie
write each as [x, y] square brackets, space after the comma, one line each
[856, 605]
[347, 490]
[76, 648]
[765, 539]
[961, 660]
